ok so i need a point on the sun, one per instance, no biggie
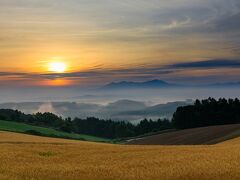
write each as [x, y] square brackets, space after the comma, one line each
[57, 67]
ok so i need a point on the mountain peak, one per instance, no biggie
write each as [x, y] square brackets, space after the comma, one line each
[155, 83]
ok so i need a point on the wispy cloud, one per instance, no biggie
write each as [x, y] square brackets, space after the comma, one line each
[211, 68]
[177, 24]
[152, 23]
[115, 33]
[217, 63]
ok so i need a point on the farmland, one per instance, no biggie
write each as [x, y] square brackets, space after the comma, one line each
[194, 136]
[32, 157]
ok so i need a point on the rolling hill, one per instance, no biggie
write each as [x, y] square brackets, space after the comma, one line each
[28, 129]
[32, 157]
[196, 136]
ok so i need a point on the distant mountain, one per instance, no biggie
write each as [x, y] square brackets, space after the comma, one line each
[132, 85]
[163, 84]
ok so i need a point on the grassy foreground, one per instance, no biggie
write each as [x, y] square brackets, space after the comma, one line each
[24, 128]
[32, 157]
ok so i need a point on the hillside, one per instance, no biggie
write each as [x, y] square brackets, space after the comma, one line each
[32, 157]
[195, 136]
[28, 129]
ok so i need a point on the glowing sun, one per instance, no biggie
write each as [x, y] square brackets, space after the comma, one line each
[57, 67]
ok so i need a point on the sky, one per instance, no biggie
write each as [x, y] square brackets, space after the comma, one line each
[93, 42]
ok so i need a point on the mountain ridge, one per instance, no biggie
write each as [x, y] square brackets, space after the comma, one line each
[155, 83]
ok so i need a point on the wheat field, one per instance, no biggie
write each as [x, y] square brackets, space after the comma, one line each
[30, 157]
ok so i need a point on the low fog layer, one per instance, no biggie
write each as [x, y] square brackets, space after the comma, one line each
[125, 110]
[103, 96]
[115, 103]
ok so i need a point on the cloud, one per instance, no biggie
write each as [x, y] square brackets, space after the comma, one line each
[172, 71]
[177, 24]
[112, 73]
[229, 23]
[208, 64]
[109, 29]
[154, 32]
[100, 75]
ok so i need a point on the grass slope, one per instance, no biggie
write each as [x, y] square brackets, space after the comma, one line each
[195, 136]
[24, 128]
[32, 157]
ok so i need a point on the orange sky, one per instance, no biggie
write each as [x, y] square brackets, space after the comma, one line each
[107, 35]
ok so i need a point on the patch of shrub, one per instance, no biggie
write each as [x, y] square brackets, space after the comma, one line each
[47, 154]
[33, 132]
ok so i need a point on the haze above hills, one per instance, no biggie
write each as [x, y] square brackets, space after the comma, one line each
[153, 91]
[126, 110]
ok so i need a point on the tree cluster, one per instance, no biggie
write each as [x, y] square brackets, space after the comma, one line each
[207, 112]
[90, 126]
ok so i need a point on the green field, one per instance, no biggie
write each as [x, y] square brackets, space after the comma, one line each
[29, 129]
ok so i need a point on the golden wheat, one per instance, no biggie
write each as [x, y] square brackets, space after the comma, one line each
[30, 157]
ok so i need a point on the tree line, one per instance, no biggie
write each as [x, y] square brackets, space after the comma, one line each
[90, 126]
[202, 113]
[207, 112]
